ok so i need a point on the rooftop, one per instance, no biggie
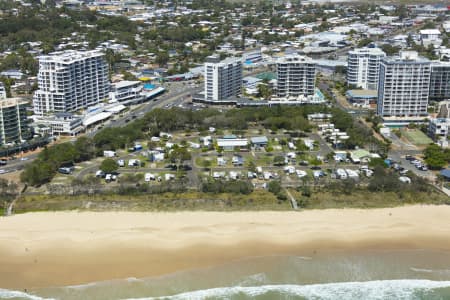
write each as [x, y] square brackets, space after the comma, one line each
[125, 83]
[406, 57]
[362, 93]
[295, 58]
[70, 56]
[9, 102]
[366, 50]
[229, 60]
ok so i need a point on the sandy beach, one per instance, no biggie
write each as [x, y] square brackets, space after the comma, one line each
[69, 248]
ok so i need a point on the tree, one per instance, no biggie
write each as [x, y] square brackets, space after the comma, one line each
[162, 58]
[279, 160]
[389, 49]
[128, 76]
[251, 166]
[37, 173]
[178, 155]
[377, 162]
[206, 164]
[264, 91]
[109, 165]
[85, 147]
[364, 42]
[274, 187]
[383, 181]
[435, 157]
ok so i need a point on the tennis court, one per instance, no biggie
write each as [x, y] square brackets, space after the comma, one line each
[416, 137]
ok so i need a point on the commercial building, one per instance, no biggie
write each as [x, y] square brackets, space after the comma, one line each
[13, 121]
[440, 81]
[296, 76]
[362, 98]
[126, 92]
[59, 124]
[403, 87]
[71, 80]
[363, 67]
[438, 128]
[223, 79]
[253, 56]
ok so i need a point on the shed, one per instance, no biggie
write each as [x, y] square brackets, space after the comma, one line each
[259, 141]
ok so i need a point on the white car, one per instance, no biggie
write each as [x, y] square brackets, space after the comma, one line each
[2, 171]
[148, 177]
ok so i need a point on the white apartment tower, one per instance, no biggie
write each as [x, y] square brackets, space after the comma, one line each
[296, 76]
[403, 86]
[70, 80]
[363, 66]
[223, 79]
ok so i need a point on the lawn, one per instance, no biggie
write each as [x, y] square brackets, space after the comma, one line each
[416, 137]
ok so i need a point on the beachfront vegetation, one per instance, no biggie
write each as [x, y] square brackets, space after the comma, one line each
[318, 198]
[215, 186]
[436, 157]
[8, 190]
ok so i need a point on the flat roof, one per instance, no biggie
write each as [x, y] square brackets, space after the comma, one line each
[96, 118]
[259, 139]
[362, 93]
[232, 142]
[125, 83]
[8, 102]
[70, 56]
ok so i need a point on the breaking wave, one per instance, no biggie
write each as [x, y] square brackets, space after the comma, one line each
[370, 290]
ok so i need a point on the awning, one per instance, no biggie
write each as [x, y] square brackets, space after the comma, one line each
[116, 108]
[89, 120]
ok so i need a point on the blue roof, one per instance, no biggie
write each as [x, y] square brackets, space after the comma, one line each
[446, 173]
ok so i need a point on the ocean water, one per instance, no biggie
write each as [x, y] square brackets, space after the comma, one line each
[417, 274]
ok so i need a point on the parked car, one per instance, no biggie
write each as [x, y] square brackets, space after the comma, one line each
[303, 163]
[409, 157]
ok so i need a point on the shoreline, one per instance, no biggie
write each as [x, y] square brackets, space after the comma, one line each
[71, 248]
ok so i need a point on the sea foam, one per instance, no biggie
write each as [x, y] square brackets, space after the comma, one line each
[370, 290]
[10, 294]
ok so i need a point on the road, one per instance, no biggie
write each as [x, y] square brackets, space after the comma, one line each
[173, 97]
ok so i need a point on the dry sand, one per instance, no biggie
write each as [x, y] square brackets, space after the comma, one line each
[61, 248]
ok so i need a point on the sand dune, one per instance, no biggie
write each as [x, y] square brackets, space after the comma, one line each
[61, 248]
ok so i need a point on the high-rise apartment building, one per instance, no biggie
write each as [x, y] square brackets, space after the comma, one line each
[13, 120]
[403, 86]
[223, 79]
[440, 81]
[296, 76]
[363, 67]
[70, 80]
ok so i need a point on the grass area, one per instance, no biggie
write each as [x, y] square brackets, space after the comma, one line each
[264, 160]
[416, 137]
[199, 161]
